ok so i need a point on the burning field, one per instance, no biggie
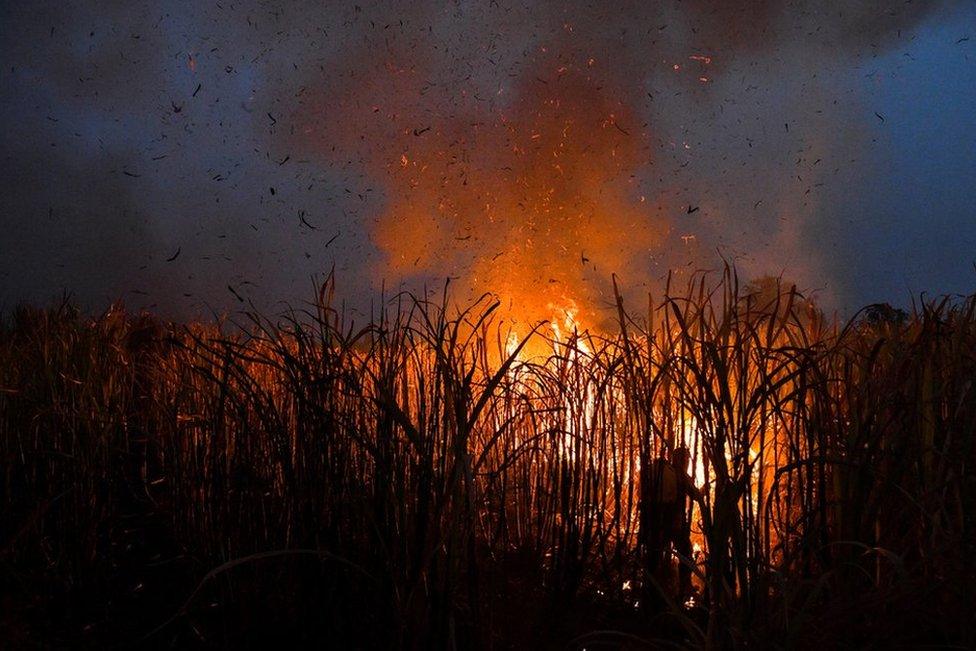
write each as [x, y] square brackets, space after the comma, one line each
[568, 398]
[422, 481]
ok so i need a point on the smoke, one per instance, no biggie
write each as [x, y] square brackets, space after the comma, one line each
[532, 152]
[528, 149]
[524, 191]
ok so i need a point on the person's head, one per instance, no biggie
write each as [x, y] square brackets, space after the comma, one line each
[681, 457]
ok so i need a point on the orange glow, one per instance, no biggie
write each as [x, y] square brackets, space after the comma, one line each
[536, 201]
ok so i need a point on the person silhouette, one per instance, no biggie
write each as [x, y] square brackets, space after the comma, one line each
[666, 494]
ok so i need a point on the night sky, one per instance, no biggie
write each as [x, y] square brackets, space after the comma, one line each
[168, 153]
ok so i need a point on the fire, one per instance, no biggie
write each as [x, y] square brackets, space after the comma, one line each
[571, 336]
[512, 344]
[532, 192]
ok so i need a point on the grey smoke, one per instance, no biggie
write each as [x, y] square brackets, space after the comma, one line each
[134, 130]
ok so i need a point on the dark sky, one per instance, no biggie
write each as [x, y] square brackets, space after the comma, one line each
[161, 152]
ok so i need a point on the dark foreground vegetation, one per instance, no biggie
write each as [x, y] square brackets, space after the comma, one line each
[299, 482]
